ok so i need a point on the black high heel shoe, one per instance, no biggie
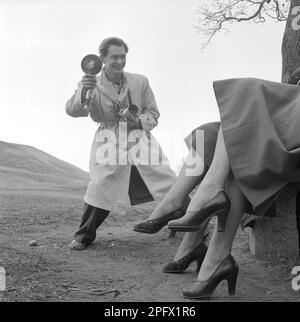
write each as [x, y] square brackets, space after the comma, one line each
[196, 255]
[217, 206]
[227, 270]
[155, 225]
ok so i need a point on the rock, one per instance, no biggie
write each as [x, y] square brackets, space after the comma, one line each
[33, 243]
[277, 237]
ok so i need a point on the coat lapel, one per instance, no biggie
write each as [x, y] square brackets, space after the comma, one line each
[107, 88]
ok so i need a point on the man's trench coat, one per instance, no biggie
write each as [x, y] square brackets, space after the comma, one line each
[114, 150]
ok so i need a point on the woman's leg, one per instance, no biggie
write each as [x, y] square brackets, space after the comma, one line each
[184, 184]
[189, 242]
[215, 178]
[213, 182]
[221, 242]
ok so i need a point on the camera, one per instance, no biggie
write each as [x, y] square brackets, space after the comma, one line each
[129, 112]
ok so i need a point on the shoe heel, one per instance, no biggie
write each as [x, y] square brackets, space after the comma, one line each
[222, 217]
[172, 234]
[231, 281]
[199, 263]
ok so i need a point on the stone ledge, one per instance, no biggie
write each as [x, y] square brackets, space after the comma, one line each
[276, 237]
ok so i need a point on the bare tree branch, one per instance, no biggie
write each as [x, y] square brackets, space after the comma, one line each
[215, 15]
[250, 17]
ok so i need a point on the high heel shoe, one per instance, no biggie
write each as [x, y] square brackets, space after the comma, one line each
[152, 226]
[227, 270]
[155, 225]
[217, 206]
[196, 255]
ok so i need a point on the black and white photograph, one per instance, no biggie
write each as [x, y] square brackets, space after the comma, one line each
[150, 153]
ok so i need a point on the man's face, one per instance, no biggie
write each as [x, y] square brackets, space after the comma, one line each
[115, 59]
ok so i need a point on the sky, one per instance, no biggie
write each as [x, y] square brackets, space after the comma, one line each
[43, 42]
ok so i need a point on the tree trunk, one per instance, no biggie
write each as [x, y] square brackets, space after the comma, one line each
[290, 62]
[291, 42]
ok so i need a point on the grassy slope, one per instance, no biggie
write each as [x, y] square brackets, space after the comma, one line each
[25, 167]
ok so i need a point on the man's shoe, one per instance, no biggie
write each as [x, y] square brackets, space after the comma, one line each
[75, 245]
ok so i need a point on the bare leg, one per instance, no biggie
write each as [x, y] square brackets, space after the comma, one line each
[189, 242]
[215, 178]
[180, 190]
[221, 242]
[213, 182]
[177, 196]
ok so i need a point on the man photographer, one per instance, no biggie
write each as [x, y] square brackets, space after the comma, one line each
[117, 97]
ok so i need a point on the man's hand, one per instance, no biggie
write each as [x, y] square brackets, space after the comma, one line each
[133, 122]
[89, 81]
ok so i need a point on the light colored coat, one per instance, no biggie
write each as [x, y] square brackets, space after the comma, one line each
[109, 185]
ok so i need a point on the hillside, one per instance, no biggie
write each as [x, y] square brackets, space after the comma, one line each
[25, 167]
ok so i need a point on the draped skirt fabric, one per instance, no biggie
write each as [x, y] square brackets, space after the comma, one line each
[261, 127]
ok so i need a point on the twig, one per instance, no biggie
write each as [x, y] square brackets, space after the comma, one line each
[99, 292]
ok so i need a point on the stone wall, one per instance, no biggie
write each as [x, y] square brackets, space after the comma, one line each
[277, 237]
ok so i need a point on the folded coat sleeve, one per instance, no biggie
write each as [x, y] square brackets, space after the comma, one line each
[75, 105]
[149, 111]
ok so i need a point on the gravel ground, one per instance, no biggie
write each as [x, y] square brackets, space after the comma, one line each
[120, 266]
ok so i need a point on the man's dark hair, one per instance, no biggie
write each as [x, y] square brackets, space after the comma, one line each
[103, 48]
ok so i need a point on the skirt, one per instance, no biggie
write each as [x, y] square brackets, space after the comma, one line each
[261, 127]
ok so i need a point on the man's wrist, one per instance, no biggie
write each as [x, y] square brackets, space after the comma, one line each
[83, 94]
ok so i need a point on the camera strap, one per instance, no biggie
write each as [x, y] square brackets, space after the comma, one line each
[100, 108]
[129, 97]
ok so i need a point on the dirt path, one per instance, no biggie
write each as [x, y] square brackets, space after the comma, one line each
[120, 266]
